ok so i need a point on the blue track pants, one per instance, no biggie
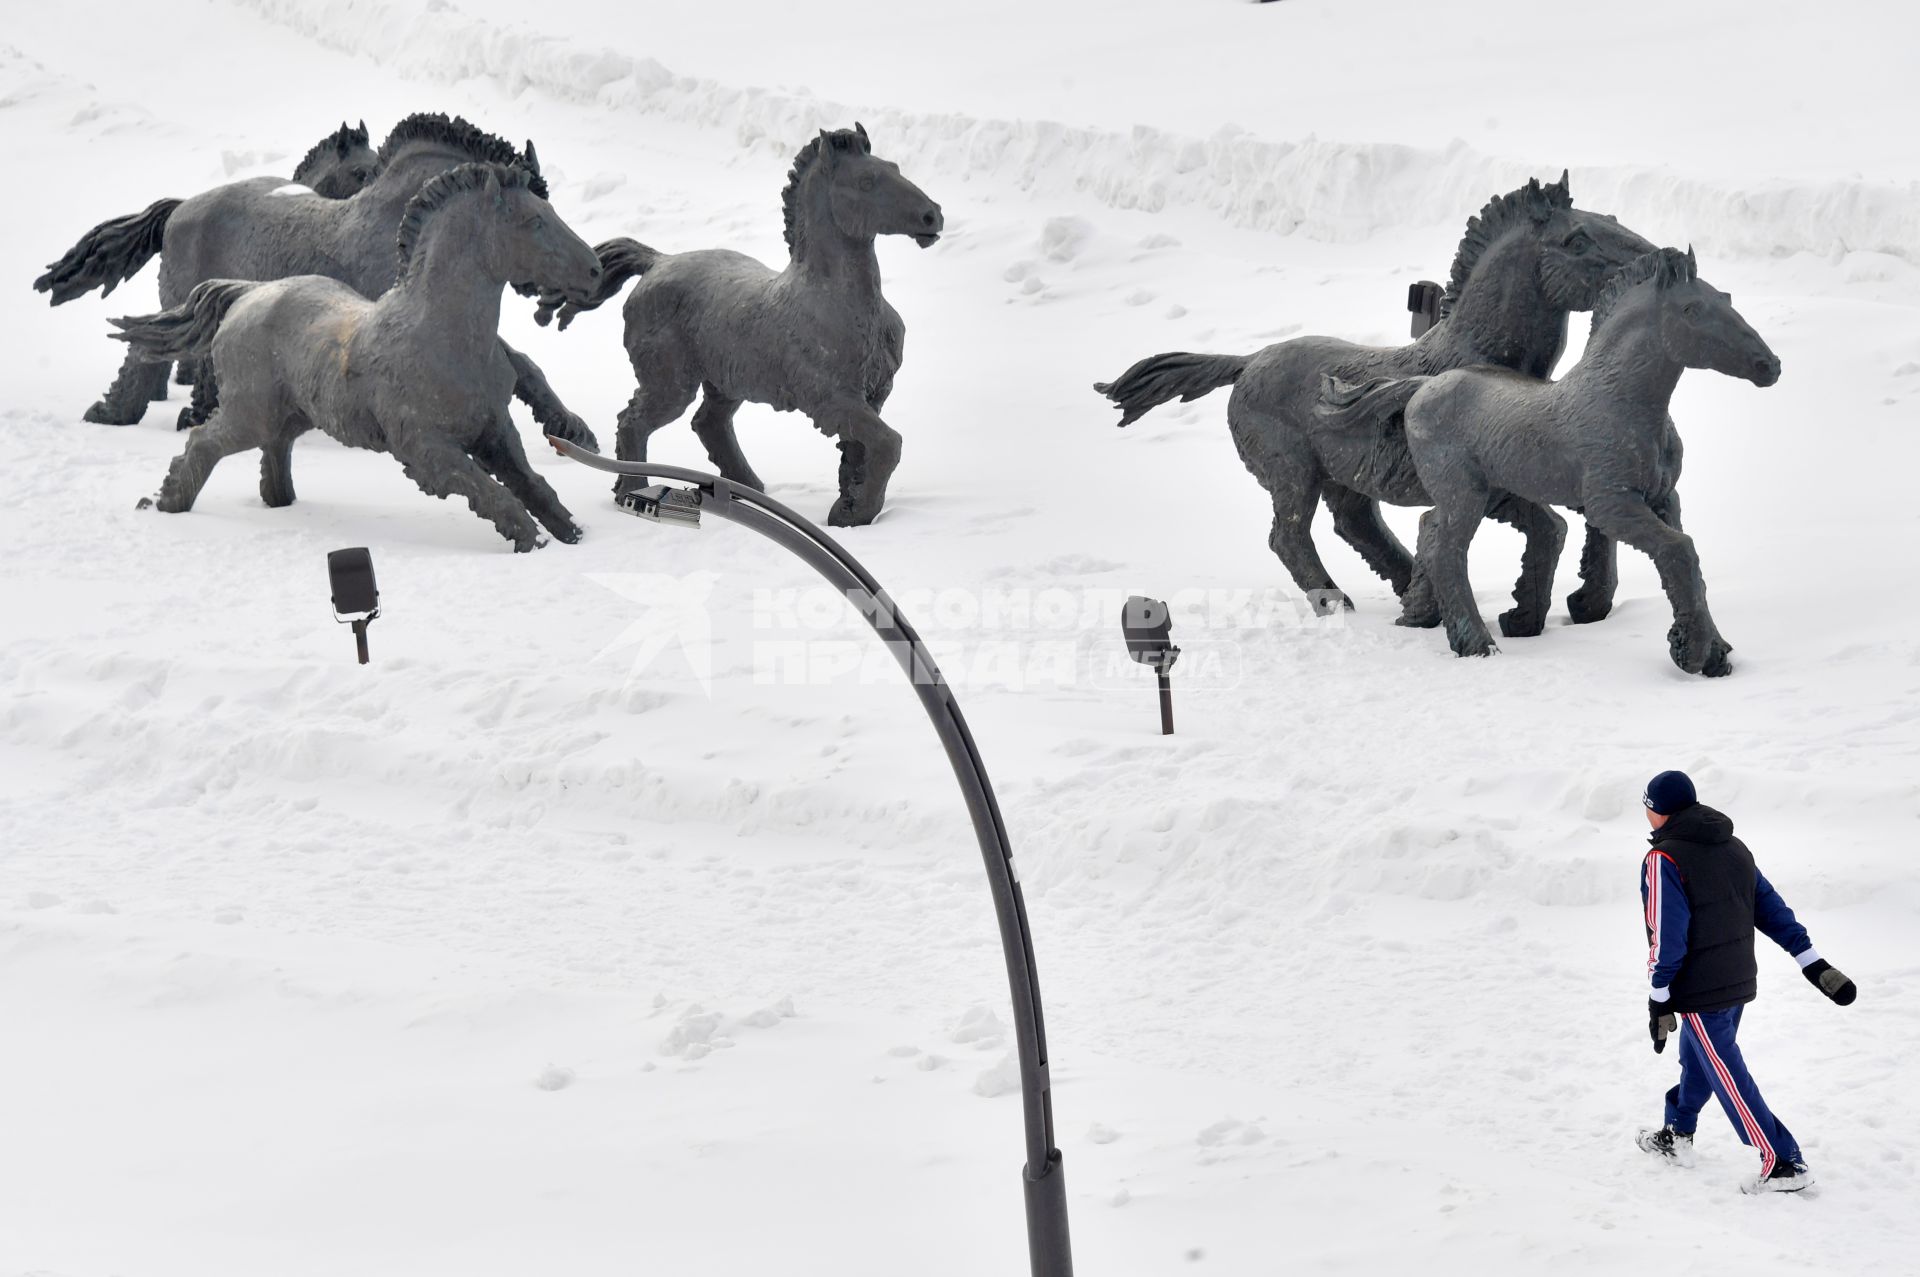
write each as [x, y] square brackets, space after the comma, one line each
[1711, 1064]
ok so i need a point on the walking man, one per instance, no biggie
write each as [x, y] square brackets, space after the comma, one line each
[1704, 899]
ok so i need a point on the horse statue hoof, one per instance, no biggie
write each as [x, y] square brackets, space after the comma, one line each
[576, 431]
[1522, 624]
[1470, 644]
[104, 414]
[1329, 602]
[1586, 609]
[144, 503]
[846, 515]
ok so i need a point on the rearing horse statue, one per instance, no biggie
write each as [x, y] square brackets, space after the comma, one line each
[816, 337]
[1526, 261]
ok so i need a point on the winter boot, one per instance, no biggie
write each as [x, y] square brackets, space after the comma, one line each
[1785, 1177]
[1674, 1146]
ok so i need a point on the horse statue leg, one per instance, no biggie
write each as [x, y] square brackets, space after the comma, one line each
[869, 454]
[1694, 642]
[1446, 532]
[1357, 521]
[531, 388]
[713, 426]
[1599, 576]
[206, 397]
[222, 436]
[1546, 534]
[276, 459]
[1419, 608]
[442, 468]
[500, 452]
[663, 394]
[1296, 499]
[139, 382]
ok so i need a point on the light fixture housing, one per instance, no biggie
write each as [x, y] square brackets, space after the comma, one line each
[355, 591]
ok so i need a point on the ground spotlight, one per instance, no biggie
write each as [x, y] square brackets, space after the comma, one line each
[1423, 301]
[1147, 623]
[354, 591]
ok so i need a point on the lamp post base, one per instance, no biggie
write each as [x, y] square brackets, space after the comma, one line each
[1048, 1245]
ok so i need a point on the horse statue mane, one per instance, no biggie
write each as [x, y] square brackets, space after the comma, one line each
[854, 141]
[1502, 211]
[461, 134]
[1664, 266]
[338, 142]
[442, 187]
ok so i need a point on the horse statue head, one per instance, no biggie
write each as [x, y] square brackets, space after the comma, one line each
[510, 226]
[1696, 323]
[1572, 251]
[838, 185]
[339, 164]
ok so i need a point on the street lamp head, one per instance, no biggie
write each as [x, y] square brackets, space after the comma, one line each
[1147, 624]
[663, 504]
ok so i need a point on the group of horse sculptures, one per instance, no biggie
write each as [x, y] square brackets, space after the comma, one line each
[1464, 421]
[363, 295]
[363, 298]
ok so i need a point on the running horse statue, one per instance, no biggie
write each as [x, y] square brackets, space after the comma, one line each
[419, 373]
[1599, 441]
[816, 337]
[260, 229]
[1527, 260]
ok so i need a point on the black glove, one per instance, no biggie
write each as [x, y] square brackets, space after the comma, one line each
[1827, 978]
[1661, 1024]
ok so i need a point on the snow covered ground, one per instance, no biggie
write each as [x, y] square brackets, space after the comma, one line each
[511, 952]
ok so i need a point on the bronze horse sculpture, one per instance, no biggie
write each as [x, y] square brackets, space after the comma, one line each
[1527, 260]
[418, 373]
[255, 230]
[113, 252]
[1599, 441]
[340, 164]
[816, 337]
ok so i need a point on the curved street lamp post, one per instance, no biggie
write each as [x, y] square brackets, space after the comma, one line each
[1045, 1181]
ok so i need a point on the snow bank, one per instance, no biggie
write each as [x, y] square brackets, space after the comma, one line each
[1339, 191]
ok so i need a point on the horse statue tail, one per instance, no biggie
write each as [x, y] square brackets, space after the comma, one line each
[620, 260]
[108, 255]
[186, 331]
[1158, 378]
[1364, 405]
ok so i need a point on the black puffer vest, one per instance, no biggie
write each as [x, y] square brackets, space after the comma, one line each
[1717, 871]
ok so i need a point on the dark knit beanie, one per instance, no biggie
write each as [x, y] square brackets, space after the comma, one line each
[1668, 793]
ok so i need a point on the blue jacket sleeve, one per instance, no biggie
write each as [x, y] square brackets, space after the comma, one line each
[1775, 920]
[1667, 915]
